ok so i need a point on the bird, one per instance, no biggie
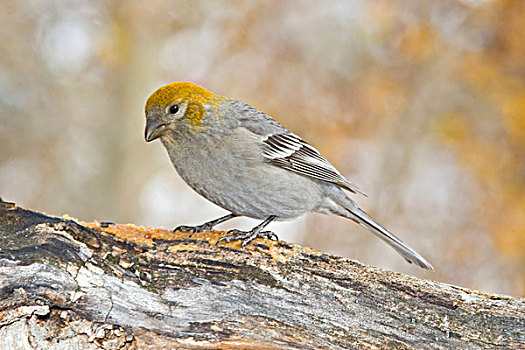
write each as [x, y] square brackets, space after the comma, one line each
[244, 161]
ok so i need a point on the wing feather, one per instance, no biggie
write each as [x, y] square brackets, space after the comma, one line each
[290, 152]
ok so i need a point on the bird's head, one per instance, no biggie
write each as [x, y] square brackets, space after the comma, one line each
[176, 104]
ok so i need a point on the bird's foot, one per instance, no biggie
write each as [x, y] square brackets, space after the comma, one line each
[207, 226]
[247, 236]
[193, 229]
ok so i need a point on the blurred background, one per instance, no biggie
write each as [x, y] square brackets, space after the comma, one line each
[420, 103]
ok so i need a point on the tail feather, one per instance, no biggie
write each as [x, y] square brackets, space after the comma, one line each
[338, 203]
[405, 251]
[353, 212]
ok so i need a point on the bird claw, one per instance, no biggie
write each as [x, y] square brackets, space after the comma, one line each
[247, 236]
[207, 226]
[192, 229]
[269, 235]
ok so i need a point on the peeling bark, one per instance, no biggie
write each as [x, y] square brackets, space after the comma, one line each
[67, 285]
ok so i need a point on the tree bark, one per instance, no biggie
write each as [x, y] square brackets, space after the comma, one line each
[66, 285]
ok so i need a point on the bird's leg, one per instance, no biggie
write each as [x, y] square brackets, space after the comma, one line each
[206, 226]
[248, 236]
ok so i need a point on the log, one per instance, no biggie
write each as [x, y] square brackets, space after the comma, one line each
[66, 284]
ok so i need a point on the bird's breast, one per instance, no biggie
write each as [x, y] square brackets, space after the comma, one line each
[230, 171]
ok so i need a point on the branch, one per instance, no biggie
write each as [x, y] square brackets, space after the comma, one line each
[87, 285]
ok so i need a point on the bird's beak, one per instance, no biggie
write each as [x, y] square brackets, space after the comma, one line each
[153, 129]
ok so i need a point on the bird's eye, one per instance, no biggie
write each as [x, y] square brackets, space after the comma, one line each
[174, 109]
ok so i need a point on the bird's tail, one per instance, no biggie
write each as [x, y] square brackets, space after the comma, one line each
[356, 214]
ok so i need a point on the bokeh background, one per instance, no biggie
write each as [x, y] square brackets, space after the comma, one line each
[420, 103]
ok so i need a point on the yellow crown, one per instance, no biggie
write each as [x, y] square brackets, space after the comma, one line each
[195, 95]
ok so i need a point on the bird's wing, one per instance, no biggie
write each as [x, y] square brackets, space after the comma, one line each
[290, 152]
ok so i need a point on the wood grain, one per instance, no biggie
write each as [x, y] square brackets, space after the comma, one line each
[65, 284]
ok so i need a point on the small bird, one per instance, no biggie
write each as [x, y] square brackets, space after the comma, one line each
[244, 161]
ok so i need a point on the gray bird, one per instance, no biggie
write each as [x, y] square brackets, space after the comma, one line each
[245, 162]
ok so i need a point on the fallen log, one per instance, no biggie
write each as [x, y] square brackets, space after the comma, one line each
[67, 284]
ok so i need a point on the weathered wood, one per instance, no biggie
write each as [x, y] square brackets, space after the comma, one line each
[70, 285]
